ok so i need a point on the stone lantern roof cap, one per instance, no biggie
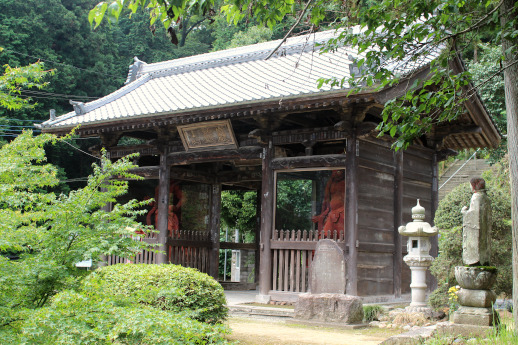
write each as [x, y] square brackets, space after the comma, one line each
[418, 228]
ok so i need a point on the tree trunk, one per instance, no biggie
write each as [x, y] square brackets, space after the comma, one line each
[511, 106]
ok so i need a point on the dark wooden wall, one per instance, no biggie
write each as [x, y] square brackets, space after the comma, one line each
[417, 178]
[376, 170]
[378, 260]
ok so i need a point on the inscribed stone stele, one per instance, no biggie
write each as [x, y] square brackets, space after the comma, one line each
[328, 270]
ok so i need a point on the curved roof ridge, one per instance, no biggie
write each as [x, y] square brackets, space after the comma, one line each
[100, 101]
[252, 52]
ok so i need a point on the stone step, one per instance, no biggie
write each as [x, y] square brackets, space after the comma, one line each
[256, 311]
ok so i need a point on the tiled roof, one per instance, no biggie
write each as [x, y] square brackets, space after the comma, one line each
[237, 76]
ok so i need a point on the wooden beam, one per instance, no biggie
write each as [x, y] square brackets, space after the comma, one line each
[239, 177]
[397, 260]
[324, 134]
[351, 218]
[240, 154]
[148, 172]
[327, 161]
[183, 174]
[237, 246]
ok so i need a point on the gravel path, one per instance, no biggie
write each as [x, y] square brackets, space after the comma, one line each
[261, 332]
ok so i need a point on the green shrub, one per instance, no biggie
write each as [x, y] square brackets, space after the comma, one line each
[174, 288]
[74, 318]
[372, 312]
[448, 219]
[438, 299]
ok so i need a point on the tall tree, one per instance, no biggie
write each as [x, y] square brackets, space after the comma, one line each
[44, 235]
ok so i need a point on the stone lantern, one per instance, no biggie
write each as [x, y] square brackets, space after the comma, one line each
[418, 258]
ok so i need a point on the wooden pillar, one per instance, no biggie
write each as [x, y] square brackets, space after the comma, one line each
[267, 194]
[163, 207]
[215, 216]
[434, 251]
[398, 221]
[351, 197]
[257, 235]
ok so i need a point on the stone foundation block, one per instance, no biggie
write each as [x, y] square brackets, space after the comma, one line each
[336, 308]
[476, 298]
[476, 316]
[466, 331]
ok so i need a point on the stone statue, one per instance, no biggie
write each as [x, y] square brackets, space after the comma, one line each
[332, 217]
[476, 278]
[476, 226]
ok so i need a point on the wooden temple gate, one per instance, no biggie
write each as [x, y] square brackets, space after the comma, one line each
[240, 130]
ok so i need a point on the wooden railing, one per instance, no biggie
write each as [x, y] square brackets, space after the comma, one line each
[145, 257]
[292, 255]
[190, 249]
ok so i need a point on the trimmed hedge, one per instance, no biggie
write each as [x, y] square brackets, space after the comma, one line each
[167, 287]
[74, 318]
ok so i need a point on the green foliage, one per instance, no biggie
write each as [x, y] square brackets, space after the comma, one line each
[492, 91]
[172, 288]
[372, 312]
[293, 205]
[448, 219]
[50, 232]
[238, 211]
[438, 299]
[15, 79]
[252, 35]
[76, 318]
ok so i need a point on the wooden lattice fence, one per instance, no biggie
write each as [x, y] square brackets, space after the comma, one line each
[145, 257]
[190, 249]
[292, 256]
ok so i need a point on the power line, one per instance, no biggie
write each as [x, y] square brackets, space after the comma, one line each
[78, 149]
[11, 126]
[43, 93]
[18, 130]
[22, 120]
[60, 63]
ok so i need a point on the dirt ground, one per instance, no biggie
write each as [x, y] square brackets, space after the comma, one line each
[262, 332]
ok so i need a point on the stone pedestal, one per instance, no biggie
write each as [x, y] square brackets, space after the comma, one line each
[327, 307]
[475, 297]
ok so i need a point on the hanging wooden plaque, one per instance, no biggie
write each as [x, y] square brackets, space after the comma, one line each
[214, 135]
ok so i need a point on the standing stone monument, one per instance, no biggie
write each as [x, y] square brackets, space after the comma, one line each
[476, 278]
[328, 270]
[327, 301]
[418, 258]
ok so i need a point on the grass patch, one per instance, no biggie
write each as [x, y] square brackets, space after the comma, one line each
[372, 312]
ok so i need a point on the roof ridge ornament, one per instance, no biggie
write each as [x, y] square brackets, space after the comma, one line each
[79, 107]
[134, 70]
